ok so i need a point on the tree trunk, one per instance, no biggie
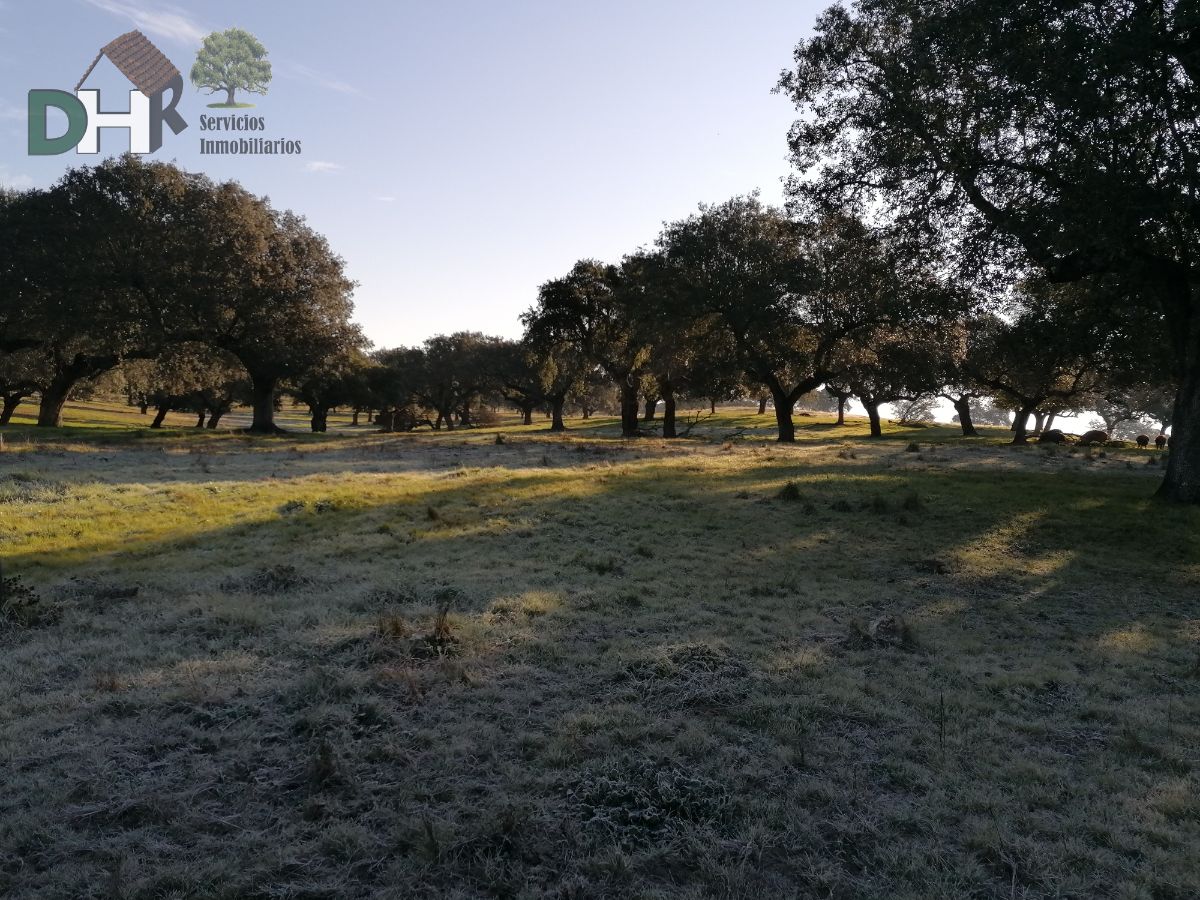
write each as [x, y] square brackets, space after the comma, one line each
[1021, 425]
[262, 399]
[448, 418]
[762, 406]
[651, 409]
[712, 407]
[160, 415]
[54, 398]
[1050, 417]
[144, 407]
[214, 419]
[354, 417]
[11, 402]
[465, 418]
[873, 416]
[320, 420]
[841, 410]
[527, 414]
[1182, 481]
[963, 408]
[556, 414]
[1039, 419]
[669, 414]
[200, 417]
[783, 417]
[629, 410]
[229, 94]
[370, 417]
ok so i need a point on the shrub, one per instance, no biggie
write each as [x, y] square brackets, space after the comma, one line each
[790, 493]
[21, 606]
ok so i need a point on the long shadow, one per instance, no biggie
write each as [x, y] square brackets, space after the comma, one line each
[330, 727]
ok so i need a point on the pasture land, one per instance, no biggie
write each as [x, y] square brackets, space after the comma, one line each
[500, 663]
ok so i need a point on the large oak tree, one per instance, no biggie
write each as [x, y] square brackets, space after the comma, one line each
[1063, 135]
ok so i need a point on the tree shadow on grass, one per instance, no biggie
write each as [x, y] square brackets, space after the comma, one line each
[654, 673]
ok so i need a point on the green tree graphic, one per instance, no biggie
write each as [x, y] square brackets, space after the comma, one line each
[230, 61]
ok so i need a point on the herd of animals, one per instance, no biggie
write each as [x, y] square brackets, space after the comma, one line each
[1099, 439]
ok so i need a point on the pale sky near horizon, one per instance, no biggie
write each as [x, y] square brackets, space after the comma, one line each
[456, 154]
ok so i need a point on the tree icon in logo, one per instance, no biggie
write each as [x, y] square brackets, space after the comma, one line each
[229, 61]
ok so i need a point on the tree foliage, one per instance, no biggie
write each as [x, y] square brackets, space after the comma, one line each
[1062, 137]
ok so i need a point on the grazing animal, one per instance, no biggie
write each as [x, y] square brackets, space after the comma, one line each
[1143, 440]
[1094, 437]
[1053, 436]
[1160, 441]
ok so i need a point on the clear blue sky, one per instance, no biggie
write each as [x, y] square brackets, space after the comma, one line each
[456, 154]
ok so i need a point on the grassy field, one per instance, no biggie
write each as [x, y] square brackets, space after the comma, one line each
[500, 663]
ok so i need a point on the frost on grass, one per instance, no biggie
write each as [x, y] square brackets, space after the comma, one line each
[653, 688]
[276, 579]
[635, 803]
[19, 487]
[22, 607]
[689, 675]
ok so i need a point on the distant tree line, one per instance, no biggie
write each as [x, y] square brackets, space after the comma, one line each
[744, 302]
[239, 304]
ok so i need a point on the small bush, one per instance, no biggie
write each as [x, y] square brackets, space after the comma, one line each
[21, 606]
[500, 439]
[913, 447]
[841, 506]
[391, 625]
[790, 493]
[440, 641]
[912, 502]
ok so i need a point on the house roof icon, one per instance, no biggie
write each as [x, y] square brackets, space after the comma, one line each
[139, 61]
